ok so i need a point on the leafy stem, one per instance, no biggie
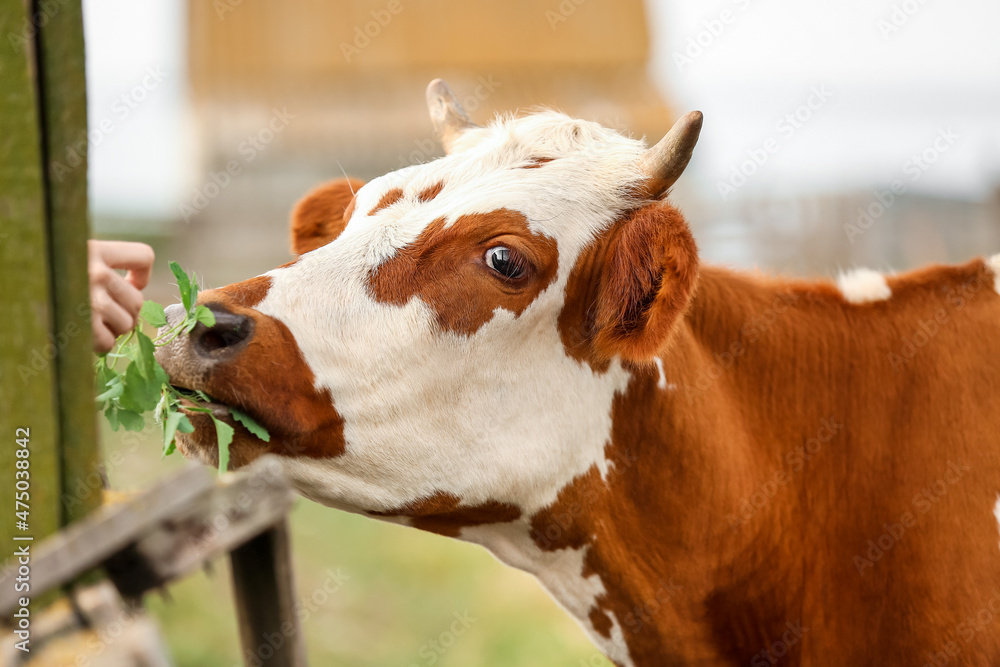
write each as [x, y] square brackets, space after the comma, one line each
[124, 397]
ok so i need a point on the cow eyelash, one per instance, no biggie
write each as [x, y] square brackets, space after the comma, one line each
[506, 261]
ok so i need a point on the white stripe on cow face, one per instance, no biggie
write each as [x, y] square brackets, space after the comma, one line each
[499, 415]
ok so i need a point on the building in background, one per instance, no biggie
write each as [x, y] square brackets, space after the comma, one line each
[353, 73]
[262, 100]
[288, 93]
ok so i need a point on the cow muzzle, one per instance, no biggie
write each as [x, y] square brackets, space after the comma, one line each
[189, 359]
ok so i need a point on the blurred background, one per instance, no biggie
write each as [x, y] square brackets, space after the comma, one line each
[862, 132]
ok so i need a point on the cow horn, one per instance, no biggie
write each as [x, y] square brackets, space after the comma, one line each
[447, 115]
[665, 162]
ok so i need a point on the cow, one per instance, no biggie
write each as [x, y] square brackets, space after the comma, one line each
[516, 345]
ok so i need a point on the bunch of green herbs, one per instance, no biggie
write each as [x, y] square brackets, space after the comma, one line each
[131, 382]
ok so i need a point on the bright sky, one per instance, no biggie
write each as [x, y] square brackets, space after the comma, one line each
[881, 92]
[137, 161]
[897, 72]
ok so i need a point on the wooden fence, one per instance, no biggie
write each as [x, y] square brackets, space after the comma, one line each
[46, 379]
[47, 415]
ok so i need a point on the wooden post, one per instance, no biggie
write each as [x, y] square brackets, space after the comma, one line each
[63, 96]
[46, 380]
[27, 374]
[264, 588]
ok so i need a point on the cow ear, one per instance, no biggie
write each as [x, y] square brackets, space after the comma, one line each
[321, 215]
[649, 274]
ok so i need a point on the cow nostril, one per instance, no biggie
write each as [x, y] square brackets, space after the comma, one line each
[228, 335]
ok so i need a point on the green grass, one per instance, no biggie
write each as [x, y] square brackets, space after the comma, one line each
[401, 590]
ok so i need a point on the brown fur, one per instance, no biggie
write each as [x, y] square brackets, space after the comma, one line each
[430, 193]
[765, 367]
[301, 420]
[387, 200]
[537, 162]
[319, 217]
[649, 273]
[446, 269]
[442, 513]
[628, 288]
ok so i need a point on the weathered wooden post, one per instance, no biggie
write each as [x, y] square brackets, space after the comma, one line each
[46, 383]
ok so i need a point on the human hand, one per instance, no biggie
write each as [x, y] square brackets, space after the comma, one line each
[115, 300]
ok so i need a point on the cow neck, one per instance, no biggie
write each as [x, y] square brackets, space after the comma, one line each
[654, 532]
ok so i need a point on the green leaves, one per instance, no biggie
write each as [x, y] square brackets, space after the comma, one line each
[173, 423]
[152, 312]
[224, 435]
[251, 424]
[124, 397]
[187, 286]
[205, 316]
[132, 421]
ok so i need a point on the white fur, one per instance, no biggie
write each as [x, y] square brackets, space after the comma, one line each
[561, 572]
[662, 381]
[996, 512]
[994, 264]
[501, 415]
[861, 286]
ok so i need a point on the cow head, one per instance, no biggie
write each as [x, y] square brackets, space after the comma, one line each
[448, 343]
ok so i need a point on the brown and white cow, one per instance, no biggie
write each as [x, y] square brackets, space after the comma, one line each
[515, 345]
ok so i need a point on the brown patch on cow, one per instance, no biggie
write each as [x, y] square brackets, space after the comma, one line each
[536, 162]
[971, 277]
[271, 381]
[387, 200]
[629, 287]
[884, 401]
[600, 621]
[445, 268]
[577, 319]
[430, 193]
[319, 217]
[246, 294]
[442, 514]
[650, 272]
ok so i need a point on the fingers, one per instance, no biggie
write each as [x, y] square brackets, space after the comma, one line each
[104, 340]
[114, 302]
[113, 316]
[104, 280]
[109, 320]
[136, 257]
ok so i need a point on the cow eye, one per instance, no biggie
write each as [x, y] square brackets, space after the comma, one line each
[505, 261]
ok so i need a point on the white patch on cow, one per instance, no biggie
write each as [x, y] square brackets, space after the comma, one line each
[996, 512]
[662, 382]
[861, 286]
[994, 264]
[501, 415]
[561, 572]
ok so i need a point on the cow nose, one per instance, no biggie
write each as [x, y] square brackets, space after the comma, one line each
[224, 339]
